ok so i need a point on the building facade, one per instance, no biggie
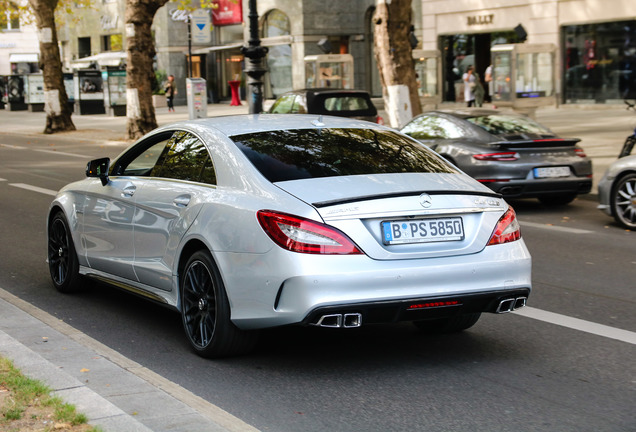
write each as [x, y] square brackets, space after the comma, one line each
[595, 41]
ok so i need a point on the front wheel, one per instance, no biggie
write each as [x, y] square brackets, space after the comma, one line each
[624, 201]
[63, 263]
[206, 311]
[557, 200]
[448, 325]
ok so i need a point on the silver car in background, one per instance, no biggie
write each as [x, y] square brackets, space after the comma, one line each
[247, 222]
[617, 191]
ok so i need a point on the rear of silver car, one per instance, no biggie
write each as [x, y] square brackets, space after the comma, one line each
[424, 256]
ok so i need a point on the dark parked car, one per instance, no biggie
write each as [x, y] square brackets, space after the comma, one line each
[511, 154]
[337, 102]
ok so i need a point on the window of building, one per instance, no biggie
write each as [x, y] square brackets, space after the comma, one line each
[10, 19]
[83, 47]
[276, 23]
[112, 43]
[599, 62]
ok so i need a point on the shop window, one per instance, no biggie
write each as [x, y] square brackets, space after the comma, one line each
[599, 62]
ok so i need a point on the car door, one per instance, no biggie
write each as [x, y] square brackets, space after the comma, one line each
[167, 204]
[109, 210]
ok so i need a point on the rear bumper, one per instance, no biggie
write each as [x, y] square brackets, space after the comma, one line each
[417, 309]
[539, 188]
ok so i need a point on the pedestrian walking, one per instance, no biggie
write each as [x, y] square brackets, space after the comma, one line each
[469, 85]
[171, 90]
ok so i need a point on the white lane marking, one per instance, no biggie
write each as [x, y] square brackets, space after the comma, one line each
[63, 153]
[578, 324]
[555, 228]
[1, 179]
[15, 147]
[34, 188]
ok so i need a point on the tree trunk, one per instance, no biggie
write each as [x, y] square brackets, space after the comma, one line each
[58, 113]
[394, 56]
[139, 70]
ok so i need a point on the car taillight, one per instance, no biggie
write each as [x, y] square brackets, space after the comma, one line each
[579, 152]
[379, 120]
[305, 236]
[503, 156]
[507, 229]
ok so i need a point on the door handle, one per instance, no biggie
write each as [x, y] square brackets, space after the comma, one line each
[128, 191]
[182, 201]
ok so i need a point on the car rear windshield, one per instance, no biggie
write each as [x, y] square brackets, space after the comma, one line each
[509, 125]
[311, 153]
[349, 105]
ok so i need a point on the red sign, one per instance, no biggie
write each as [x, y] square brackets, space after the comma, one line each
[227, 12]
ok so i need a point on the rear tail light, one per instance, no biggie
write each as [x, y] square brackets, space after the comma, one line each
[507, 229]
[503, 156]
[302, 235]
[379, 120]
[579, 152]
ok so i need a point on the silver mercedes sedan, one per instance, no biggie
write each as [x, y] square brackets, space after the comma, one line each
[247, 222]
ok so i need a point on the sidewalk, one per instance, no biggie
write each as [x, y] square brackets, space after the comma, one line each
[120, 395]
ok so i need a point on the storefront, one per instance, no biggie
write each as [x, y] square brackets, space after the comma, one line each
[596, 44]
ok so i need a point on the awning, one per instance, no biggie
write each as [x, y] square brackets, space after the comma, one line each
[24, 58]
[271, 41]
[111, 58]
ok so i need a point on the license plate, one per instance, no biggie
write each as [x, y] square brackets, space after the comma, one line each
[551, 172]
[423, 230]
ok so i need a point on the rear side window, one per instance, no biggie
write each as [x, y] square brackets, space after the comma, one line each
[509, 125]
[346, 104]
[312, 153]
[433, 127]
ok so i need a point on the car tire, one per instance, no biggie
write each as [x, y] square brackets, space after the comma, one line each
[557, 200]
[448, 325]
[624, 201]
[205, 311]
[62, 258]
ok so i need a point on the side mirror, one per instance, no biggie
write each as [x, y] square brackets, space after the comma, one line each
[99, 168]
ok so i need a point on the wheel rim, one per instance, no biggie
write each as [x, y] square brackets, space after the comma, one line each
[59, 252]
[625, 202]
[199, 304]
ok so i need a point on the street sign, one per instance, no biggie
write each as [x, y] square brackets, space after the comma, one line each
[200, 26]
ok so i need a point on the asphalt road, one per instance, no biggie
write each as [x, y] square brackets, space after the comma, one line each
[534, 371]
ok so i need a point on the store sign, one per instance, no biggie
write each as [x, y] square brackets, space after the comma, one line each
[200, 26]
[227, 12]
[178, 15]
[481, 19]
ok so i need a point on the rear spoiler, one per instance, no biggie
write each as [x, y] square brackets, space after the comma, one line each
[537, 143]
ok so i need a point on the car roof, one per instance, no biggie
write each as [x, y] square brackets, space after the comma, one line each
[253, 123]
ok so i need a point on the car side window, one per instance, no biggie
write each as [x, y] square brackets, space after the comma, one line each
[140, 161]
[284, 105]
[432, 127]
[299, 106]
[187, 159]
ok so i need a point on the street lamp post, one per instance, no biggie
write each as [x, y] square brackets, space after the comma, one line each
[254, 64]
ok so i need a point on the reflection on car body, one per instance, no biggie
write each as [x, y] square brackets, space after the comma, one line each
[248, 222]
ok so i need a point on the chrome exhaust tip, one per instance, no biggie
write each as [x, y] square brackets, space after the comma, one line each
[330, 321]
[505, 306]
[520, 302]
[511, 304]
[352, 320]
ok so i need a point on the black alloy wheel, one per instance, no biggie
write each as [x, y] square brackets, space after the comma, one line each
[206, 312]
[624, 201]
[63, 263]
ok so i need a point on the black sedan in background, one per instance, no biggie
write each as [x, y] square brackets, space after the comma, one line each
[326, 101]
[510, 153]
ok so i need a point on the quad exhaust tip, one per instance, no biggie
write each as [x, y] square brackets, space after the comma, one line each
[349, 320]
[511, 304]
